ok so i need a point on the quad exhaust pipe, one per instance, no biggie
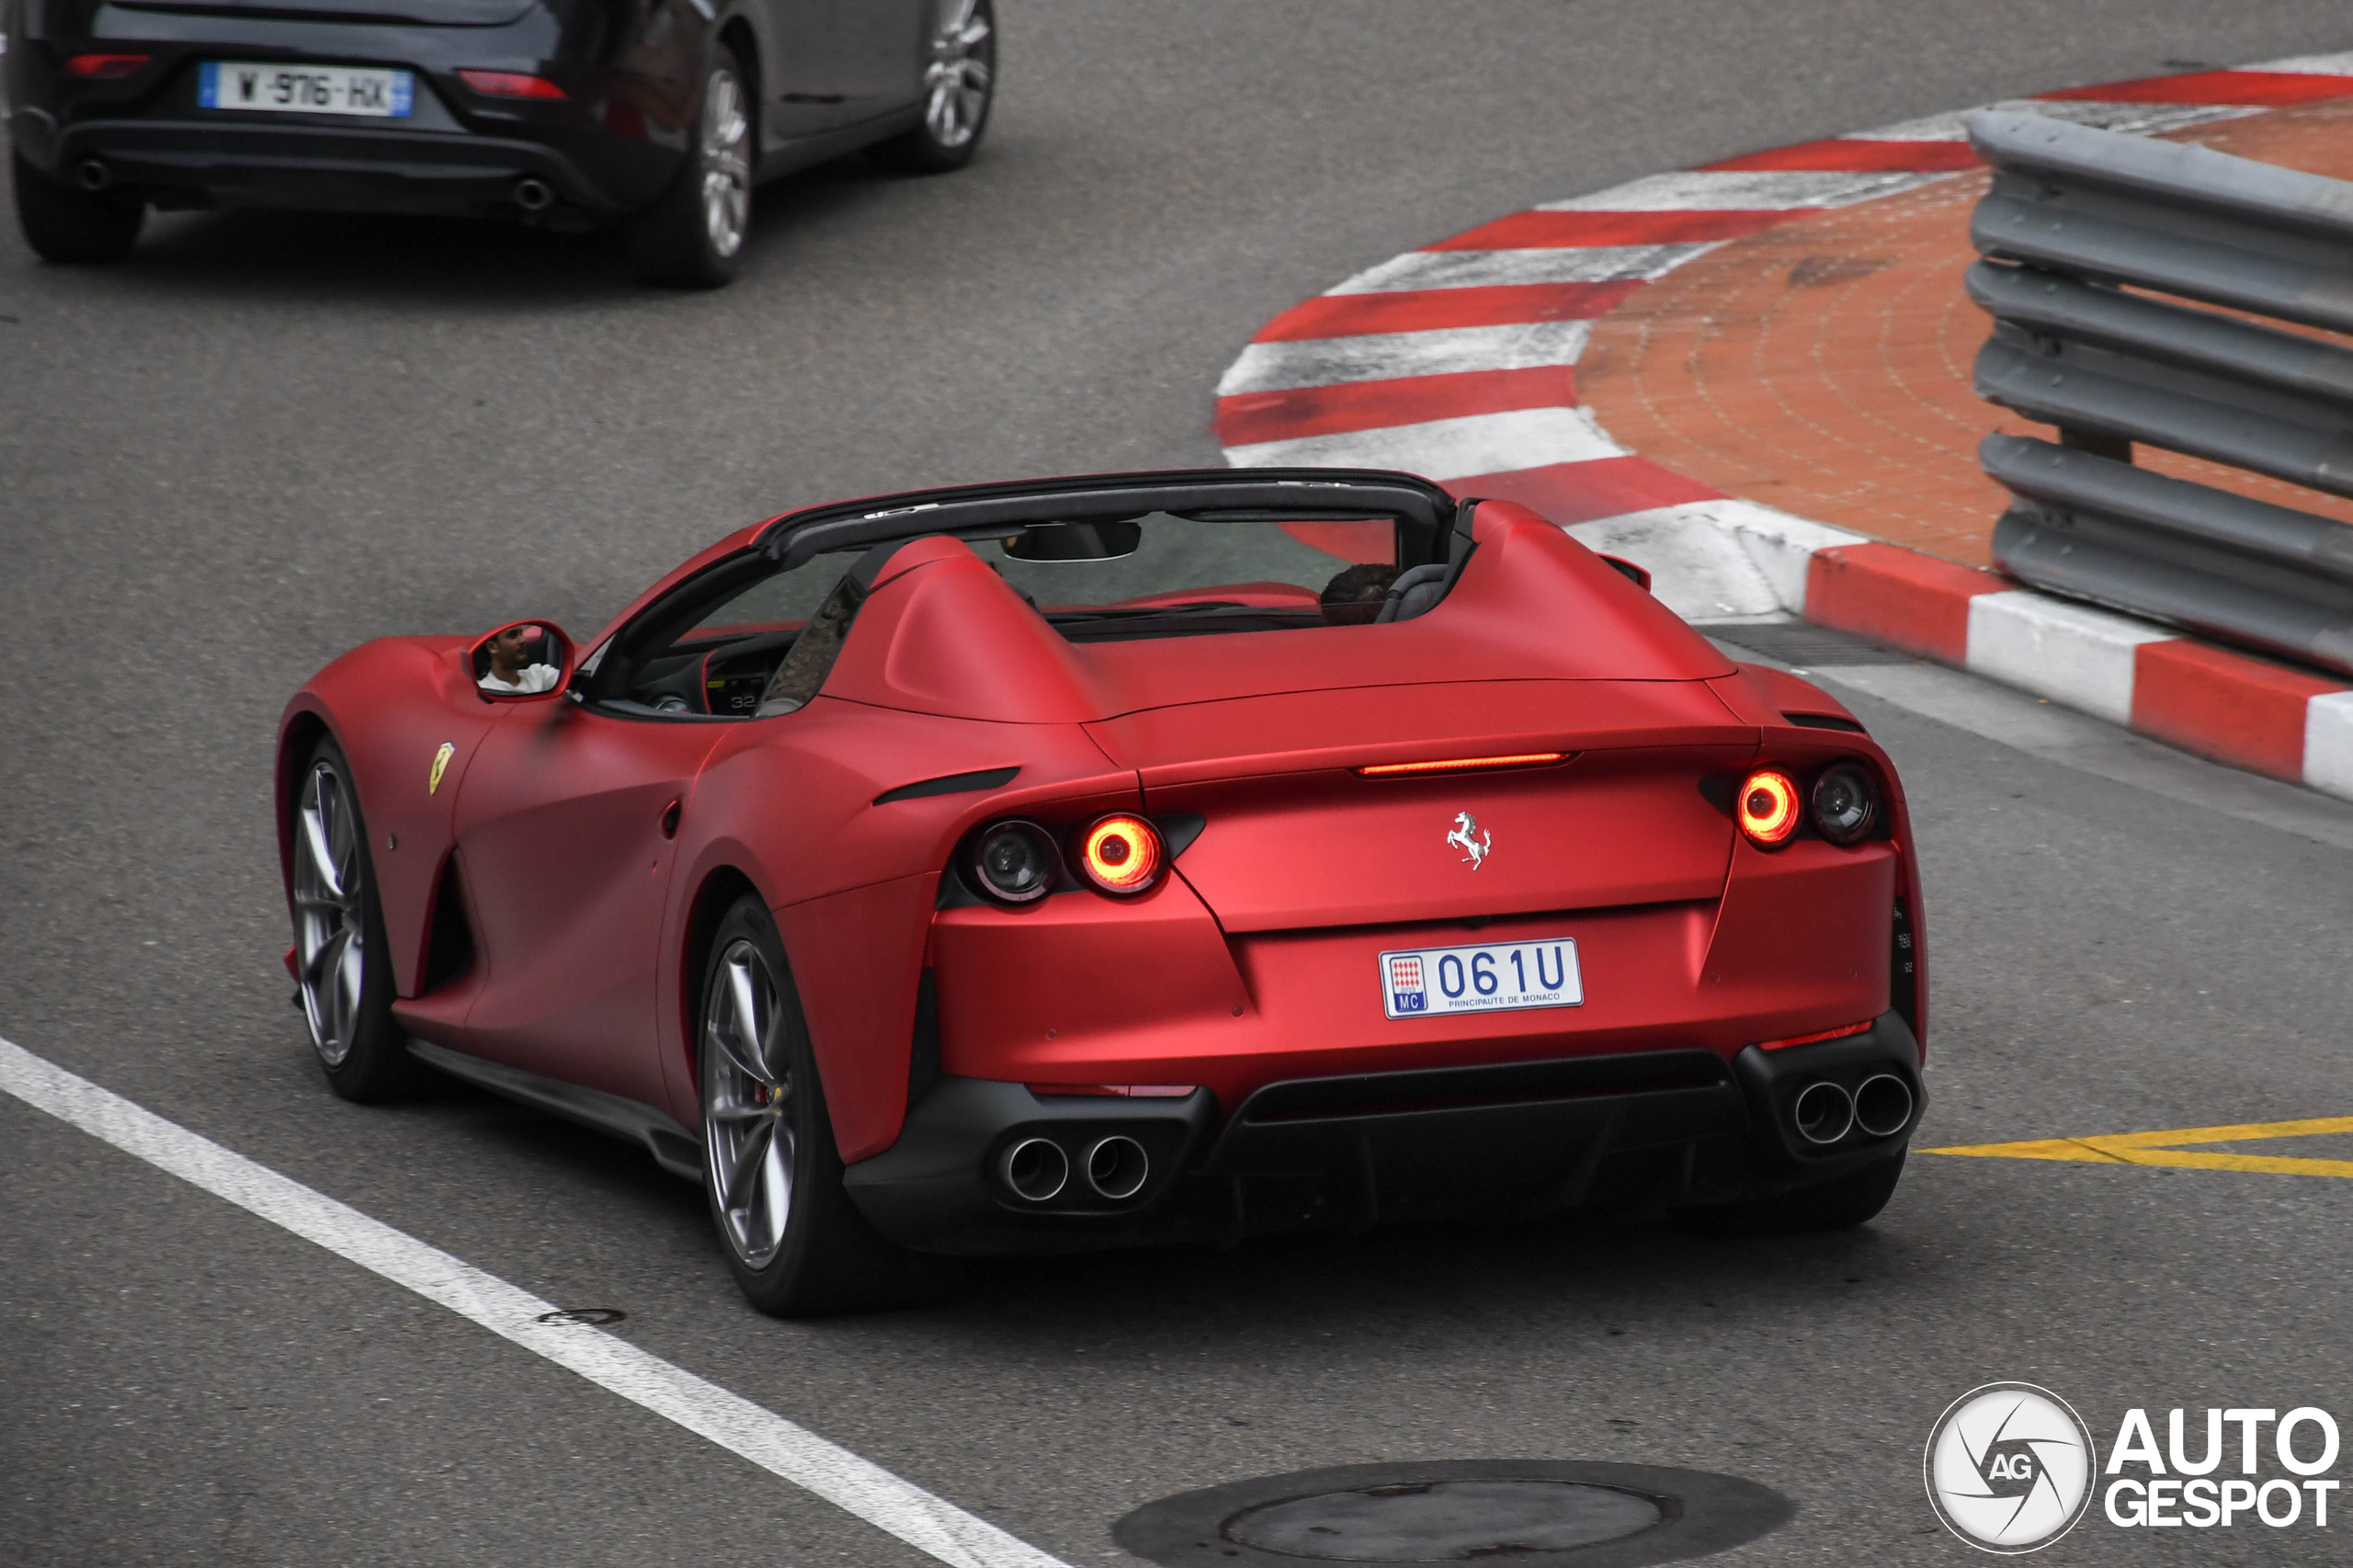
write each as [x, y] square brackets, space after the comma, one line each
[1883, 1105]
[1824, 1112]
[1117, 1168]
[1038, 1170]
[1035, 1169]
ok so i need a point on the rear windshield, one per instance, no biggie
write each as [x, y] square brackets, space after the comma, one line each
[1161, 575]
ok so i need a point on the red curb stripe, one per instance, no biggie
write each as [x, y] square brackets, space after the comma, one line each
[1428, 310]
[1561, 230]
[1858, 156]
[1896, 595]
[1401, 400]
[1563, 493]
[2228, 706]
[2264, 89]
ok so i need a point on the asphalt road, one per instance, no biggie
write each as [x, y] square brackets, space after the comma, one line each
[269, 438]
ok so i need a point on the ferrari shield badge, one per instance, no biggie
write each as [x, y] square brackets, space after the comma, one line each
[441, 766]
[1467, 838]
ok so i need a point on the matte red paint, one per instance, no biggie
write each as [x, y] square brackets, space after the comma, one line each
[1252, 960]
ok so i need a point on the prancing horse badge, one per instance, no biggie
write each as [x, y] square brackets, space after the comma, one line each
[441, 766]
[1467, 838]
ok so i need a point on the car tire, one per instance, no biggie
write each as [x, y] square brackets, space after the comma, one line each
[1839, 1204]
[342, 983]
[65, 223]
[773, 1174]
[960, 86]
[693, 235]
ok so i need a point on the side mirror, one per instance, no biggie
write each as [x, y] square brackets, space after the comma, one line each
[528, 658]
[1638, 575]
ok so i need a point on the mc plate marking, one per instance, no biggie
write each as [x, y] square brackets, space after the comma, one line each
[2159, 1148]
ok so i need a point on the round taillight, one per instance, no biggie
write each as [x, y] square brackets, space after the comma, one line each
[1120, 854]
[1014, 862]
[1768, 807]
[1845, 804]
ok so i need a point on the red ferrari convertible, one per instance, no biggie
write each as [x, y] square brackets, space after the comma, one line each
[1124, 859]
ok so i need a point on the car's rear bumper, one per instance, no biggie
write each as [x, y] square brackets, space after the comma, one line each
[1624, 1131]
[354, 170]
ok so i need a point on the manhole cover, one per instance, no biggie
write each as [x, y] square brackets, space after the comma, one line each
[1527, 1513]
[1445, 1521]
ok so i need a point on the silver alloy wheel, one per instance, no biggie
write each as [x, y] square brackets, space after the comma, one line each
[330, 939]
[958, 77]
[726, 158]
[747, 1106]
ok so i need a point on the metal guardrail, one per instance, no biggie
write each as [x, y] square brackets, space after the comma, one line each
[2074, 220]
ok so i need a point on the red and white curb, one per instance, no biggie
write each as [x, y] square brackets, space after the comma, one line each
[1457, 362]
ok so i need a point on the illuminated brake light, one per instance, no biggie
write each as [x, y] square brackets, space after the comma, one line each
[510, 84]
[1120, 854]
[1840, 1033]
[1463, 764]
[1769, 807]
[104, 67]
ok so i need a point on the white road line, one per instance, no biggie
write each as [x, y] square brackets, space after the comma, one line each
[1743, 190]
[1552, 264]
[1381, 356]
[1445, 448]
[894, 1506]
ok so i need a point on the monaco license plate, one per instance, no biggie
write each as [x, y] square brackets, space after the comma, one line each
[305, 89]
[1493, 977]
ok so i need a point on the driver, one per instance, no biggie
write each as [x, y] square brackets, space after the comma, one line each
[1353, 597]
[511, 674]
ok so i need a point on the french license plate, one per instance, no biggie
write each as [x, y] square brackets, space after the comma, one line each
[305, 89]
[1493, 977]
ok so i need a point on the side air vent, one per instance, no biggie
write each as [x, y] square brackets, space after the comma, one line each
[451, 950]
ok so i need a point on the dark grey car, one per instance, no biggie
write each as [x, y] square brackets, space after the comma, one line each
[659, 114]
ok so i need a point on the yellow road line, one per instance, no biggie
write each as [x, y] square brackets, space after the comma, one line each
[2160, 1148]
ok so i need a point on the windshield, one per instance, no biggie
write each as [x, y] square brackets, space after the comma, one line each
[1162, 575]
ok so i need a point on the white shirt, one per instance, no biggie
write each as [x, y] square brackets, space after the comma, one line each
[535, 678]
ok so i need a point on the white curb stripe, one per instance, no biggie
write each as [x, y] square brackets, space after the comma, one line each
[2141, 120]
[2081, 656]
[1418, 269]
[1445, 448]
[1379, 357]
[925, 1522]
[2328, 743]
[2307, 65]
[1743, 190]
[1710, 559]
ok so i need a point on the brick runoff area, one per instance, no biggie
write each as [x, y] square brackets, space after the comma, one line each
[1784, 339]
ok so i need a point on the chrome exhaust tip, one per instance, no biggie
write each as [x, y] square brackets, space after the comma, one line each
[1883, 1105]
[1824, 1112]
[1034, 1169]
[91, 174]
[1117, 1168]
[533, 195]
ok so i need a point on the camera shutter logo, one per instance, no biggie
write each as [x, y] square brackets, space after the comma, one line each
[2010, 1468]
